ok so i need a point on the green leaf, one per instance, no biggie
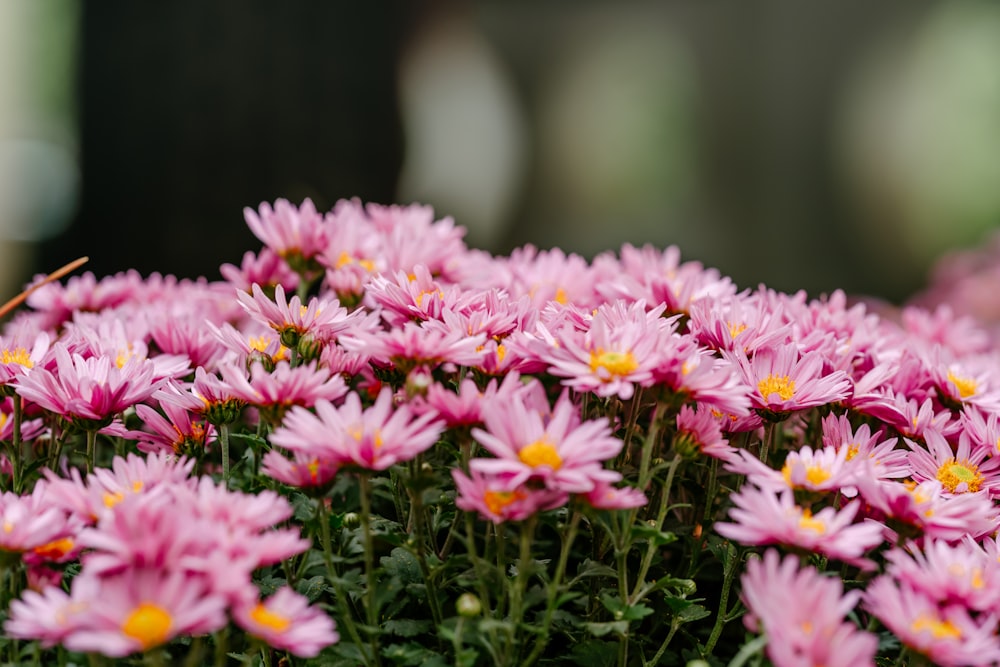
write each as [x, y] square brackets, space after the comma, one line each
[595, 653]
[406, 627]
[312, 588]
[642, 532]
[622, 611]
[402, 564]
[601, 629]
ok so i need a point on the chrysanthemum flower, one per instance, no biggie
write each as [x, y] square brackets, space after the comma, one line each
[698, 432]
[606, 497]
[276, 391]
[90, 391]
[373, 438]
[19, 354]
[431, 344]
[288, 230]
[617, 353]
[762, 516]
[176, 431]
[303, 470]
[496, 500]
[784, 382]
[557, 449]
[265, 268]
[802, 614]
[28, 522]
[322, 319]
[926, 509]
[825, 470]
[962, 573]
[960, 470]
[885, 460]
[286, 622]
[141, 609]
[946, 635]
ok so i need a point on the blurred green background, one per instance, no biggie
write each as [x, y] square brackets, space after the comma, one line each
[801, 145]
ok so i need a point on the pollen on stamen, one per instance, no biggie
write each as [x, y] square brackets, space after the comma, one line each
[966, 386]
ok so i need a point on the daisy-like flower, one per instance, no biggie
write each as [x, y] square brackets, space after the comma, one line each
[141, 609]
[825, 470]
[698, 432]
[28, 523]
[557, 449]
[176, 431]
[947, 635]
[47, 615]
[973, 380]
[321, 319]
[89, 391]
[785, 382]
[287, 622]
[962, 573]
[276, 391]
[693, 371]
[20, 353]
[606, 497]
[885, 460]
[618, 352]
[372, 439]
[265, 268]
[960, 470]
[762, 517]
[802, 614]
[301, 471]
[294, 233]
[496, 500]
[926, 509]
[431, 344]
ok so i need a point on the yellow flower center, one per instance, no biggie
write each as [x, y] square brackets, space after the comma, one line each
[497, 500]
[148, 624]
[966, 386]
[112, 499]
[615, 363]
[807, 522]
[772, 384]
[815, 475]
[939, 629]
[736, 329]
[263, 616]
[954, 473]
[18, 355]
[540, 453]
[852, 451]
[561, 297]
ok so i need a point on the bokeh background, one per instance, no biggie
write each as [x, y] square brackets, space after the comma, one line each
[802, 145]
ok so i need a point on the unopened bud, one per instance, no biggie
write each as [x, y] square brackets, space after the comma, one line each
[468, 605]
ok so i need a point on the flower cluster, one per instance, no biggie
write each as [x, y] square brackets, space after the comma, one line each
[370, 444]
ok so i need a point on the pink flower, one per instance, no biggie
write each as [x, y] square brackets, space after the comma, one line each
[322, 319]
[285, 386]
[946, 635]
[287, 622]
[302, 471]
[802, 614]
[698, 433]
[961, 574]
[926, 509]
[373, 438]
[29, 522]
[266, 268]
[784, 382]
[140, 609]
[960, 469]
[20, 353]
[176, 431]
[765, 517]
[497, 501]
[91, 391]
[606, 497]
[287, 230]
[617, 353]
[431, 343]
[557, 449]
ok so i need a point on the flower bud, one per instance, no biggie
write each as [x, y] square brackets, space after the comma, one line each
[468, 605]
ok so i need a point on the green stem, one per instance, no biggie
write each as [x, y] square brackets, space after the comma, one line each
[554, 585]
[371, 613]
[17, 462]
[661, 517]
[224, 444]
[722, 617]
[521, 581]
[91, 449]
[420, 537]
[674, 626]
